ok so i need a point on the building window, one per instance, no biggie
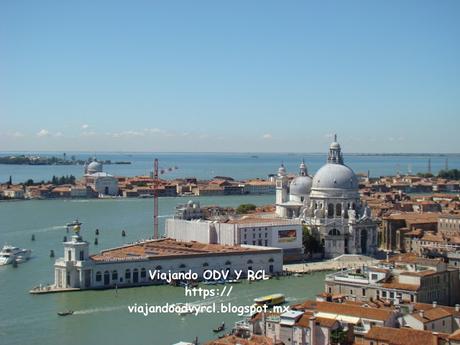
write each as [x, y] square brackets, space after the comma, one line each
[364, 292]
[115, 275]
[98, 276]
[69, 255]
[128, 274]
[205, 264]
[249, 262]
[266, 235]
[82, 255]
[266, 243]
[143, 272]
[158, 268]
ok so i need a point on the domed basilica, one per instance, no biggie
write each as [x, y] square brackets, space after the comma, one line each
[329, 204]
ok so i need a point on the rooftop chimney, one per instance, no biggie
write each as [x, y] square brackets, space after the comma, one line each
[457, 307]
[435, 304]
[421, 313]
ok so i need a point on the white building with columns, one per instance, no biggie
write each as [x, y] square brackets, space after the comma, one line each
[330, 205]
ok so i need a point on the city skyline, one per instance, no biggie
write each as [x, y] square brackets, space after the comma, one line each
[239, 77]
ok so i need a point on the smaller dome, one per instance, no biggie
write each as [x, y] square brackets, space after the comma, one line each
[301, 186]
[94, 167]
[282, 170]
[334, 145]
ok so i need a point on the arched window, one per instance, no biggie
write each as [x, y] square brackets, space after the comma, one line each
[114, 275]
[128, 274]
[143, 272]
[158, 268]
[182, 266]
[270, 260]
[338, 210]
[205, 264]
[106, 278]
[249, 262]
[334, 232]
[98, 276]
[330, 210]
[228, 263]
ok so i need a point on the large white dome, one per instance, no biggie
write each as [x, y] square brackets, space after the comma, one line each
[94, 167]
[301, 186]
[337, 176]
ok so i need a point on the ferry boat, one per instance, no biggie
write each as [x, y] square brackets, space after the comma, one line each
[9, 254]
[270, 300]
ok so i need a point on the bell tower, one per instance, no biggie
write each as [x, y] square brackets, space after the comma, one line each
[281, 191]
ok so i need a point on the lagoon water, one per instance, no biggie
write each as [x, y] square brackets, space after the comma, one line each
[236, 165]
[102, 317]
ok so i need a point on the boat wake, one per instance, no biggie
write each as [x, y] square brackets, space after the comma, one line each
[98, 310]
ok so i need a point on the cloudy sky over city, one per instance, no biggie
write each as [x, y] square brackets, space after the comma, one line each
[237, 76]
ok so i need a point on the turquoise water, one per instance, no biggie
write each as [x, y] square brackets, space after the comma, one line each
[236, 165]
[102, 316]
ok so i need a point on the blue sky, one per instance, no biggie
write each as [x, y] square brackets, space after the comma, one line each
[230, 76]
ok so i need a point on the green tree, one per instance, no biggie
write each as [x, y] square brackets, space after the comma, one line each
[339, 336]
[452, 174]
[310, 243]
[245, 208]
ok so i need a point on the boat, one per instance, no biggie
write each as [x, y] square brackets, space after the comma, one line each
[65, 313]
[270, 300]
[10, 254]
[183, 309]
[233, 281]
[219, 329]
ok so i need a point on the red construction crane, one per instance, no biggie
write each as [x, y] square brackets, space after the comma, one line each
[156, 183]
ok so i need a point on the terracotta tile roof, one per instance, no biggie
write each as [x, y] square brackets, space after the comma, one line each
[168, 248]
[455, 335]
[325, 322]
[393, 283]
[426, 307]
[404, 336]
[345, 309]
[304, 320]
[431, 315]
[233, 340]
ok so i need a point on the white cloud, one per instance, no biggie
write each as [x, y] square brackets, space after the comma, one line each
[267, 136]
[58, 134]
[88, 133]
[16, 134]
[153, 130]
[43, 133]
[127, 134]
[85, 126]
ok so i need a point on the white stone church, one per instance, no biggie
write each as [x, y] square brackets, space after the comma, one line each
[329, 204]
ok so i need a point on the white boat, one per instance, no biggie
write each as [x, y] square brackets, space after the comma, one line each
[9, 254]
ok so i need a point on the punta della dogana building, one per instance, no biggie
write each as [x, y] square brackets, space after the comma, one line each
[129, 265]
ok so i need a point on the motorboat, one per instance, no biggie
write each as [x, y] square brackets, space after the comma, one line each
[65, 313]
[270, 300]
[10, 254]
